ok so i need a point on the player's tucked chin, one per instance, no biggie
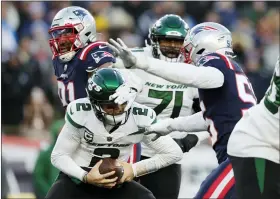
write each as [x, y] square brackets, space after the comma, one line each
[114, 115]
[114, 119]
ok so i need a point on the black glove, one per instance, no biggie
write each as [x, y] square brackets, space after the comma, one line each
[187, 142]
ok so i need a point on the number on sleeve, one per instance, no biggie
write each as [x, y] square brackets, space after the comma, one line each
[83, 106]
[100, 153]
[245, 90]
[66, 92]
[167, 97]
[140, 111]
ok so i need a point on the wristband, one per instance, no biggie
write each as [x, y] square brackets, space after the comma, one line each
[85, 177]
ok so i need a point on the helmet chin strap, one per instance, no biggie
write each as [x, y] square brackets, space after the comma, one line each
[114, 119]
[67, 56]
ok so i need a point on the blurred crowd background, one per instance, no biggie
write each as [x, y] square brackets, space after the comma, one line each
[29, 90]
[30, 104]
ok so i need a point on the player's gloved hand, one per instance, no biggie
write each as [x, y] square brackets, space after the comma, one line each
[128, 174]
[124, 94]
[161, 128]
[95, 178]
[120, 49]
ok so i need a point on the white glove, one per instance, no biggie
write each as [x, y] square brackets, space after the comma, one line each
[124, 94]
[121, 50]
[161, 128]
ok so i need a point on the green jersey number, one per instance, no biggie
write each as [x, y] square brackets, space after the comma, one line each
[272, 98]
[83, 106]
[100, 153]
[167, 97]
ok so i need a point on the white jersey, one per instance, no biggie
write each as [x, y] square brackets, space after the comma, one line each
[168, 99]
[84, 139]
[257, 133]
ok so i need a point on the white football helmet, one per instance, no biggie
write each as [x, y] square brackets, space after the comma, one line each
[72, 28]
[206, 38]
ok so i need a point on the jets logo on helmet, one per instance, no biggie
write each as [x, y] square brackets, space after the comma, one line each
[93, 85]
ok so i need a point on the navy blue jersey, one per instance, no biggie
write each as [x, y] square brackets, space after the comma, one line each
[72, 76]
[224, 106]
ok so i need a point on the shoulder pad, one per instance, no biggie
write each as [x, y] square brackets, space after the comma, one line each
[143, 115]
[77, 112]
[95, 55]
[207, 58]
[216, 60]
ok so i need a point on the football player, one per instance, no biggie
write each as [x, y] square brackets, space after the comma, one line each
[225, 93]
[254, 147]
[77, 54]
[96, 127]
[168, 99]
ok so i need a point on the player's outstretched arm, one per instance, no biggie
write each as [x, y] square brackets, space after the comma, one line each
[192, 123]
[167, 152]
[181, 73]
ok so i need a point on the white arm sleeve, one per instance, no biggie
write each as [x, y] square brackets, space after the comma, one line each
[132, 79]
[181, 73]
[67, 142]
[192, 123]
[168, 152]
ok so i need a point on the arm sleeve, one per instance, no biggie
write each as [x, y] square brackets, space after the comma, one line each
[168, 152]
[67, 142]
[199, 77]
[192, 123]
[133, 80]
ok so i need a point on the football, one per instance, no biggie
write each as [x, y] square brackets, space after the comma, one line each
[110, 164]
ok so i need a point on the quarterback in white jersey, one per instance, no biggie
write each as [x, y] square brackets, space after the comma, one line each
[255, 142]
[97, 128]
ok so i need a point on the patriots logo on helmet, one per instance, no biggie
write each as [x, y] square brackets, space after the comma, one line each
[99, 55]
[202, 28]
[80, 13]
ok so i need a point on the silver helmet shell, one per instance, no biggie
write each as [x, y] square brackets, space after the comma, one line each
[206, 38]
[84, 30]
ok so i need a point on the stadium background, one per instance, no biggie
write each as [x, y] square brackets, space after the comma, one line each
[30, 103]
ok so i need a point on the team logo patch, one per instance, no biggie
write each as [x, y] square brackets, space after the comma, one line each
[99, 55]
[80, 13]
[206, 59]
[88, 136]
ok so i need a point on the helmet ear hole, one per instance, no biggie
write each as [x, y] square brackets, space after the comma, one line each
[88, 33]
[200, 51]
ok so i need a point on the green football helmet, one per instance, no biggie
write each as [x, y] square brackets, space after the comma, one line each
[100, 86]
[167, 36]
